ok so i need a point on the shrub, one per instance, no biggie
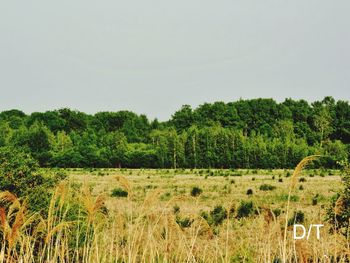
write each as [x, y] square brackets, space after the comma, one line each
[196, 191]
[184, 222]
[315, 200]
[176, 209]
[19, 174]
[280, 180]
[298, 218]
[277, 212]
[119, 192]
[267, 187]
[218, 214]
[245, 209]
[249, 192]
[302, 179]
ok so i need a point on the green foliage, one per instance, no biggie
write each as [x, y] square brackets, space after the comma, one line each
[315, 199]
[216, 216]
[196, 191]
[277, 212]
[19, 175]
[184, 222]
[245, 209]
[119, 192]
[249, 192]
[254, 134]
[297, 218]
[176, 209]
[267, 187]
[302, 179]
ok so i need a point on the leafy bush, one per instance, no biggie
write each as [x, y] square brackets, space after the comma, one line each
[176, 209]
[119, 192]
[184, 222]
[267, 187]
[245, 209]
[19, 174]
[277, 212]
[196, 191]
[249, 192]
[218, 214]
[298, 218]
[302, 179]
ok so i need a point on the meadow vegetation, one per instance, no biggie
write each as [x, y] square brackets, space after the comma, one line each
[121, 215]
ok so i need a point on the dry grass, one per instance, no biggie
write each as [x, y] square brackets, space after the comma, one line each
[143, 227]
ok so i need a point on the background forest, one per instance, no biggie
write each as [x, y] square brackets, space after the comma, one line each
[257, 133]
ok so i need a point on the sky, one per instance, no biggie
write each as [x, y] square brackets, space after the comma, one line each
[154, 56]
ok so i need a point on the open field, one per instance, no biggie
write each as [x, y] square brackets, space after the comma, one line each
[161, 221]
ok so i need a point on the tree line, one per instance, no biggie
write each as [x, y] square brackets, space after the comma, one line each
[256, 133]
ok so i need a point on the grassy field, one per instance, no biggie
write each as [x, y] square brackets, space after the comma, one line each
[124, 215]
[162, 220]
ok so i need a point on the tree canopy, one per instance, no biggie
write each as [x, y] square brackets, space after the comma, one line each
[256, 133]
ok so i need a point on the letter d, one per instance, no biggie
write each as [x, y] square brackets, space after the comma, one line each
[295, 231]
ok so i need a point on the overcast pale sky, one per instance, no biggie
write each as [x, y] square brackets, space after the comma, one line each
[152, 56]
